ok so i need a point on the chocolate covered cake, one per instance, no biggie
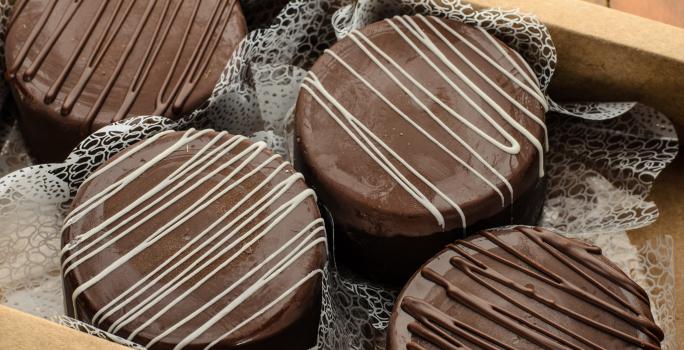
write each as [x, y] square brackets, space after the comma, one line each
[416, 130]
[76, 66]
[196, 240]
[522, 288]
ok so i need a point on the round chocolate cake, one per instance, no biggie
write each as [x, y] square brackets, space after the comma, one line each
[522, 288]
[76, 66]
[416, 130]
[195, 240]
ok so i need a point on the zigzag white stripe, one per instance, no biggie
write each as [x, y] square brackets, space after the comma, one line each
[217, 245]
[371, 144]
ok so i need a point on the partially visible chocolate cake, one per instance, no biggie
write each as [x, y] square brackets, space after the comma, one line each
[195, 240]
[415, 131]
[521, 288]
[76, 66]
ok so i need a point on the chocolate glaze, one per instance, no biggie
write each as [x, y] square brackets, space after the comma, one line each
[368, 203]
[522, 288]
[75, 66]
[196, 222]
[397, 262]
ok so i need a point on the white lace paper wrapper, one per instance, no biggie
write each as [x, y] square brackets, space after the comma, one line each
[601, 165]
[96, 332]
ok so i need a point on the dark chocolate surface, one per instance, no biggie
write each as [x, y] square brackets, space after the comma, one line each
[394, 259]
[76, 66]
[364, 197]
[121, 256]
[522, 288]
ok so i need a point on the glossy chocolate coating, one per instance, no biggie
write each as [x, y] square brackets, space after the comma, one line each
[366, 202]
[76, 66]
[522, 288]
[289, 323]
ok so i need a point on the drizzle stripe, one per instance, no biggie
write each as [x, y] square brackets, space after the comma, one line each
[425, 40]
[198, 62]
[210, 251]
[377, 156]
[544, 331]
[66, 17]
[369, 142]
[190, 271]
[162, 267]
[158, 210]
[262, 311]
[428, 136]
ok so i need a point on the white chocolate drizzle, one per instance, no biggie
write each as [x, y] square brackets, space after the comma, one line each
[384, 156]
[208, 252]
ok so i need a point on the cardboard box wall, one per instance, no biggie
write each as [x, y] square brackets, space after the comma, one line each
[603, 55]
